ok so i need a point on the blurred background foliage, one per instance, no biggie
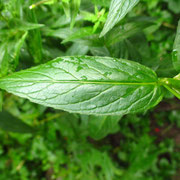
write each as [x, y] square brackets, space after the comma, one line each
[41, 143]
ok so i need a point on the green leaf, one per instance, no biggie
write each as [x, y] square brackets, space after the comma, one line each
[173, 5]
[101, 126]
[176, 50]
[34, 41]
[13, 124]
[88, 85]
[118, 9]
[18, 24]
[62, 33]
[10, 50]
[17, 47]
[129, 29]
[138, 164]
[77, 49]
[80, 33]
[66, 7]
[75, 4]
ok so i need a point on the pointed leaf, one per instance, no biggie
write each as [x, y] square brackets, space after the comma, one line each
[176, 50]
[24, 25]
[75, 4]
[101, 126]
[66, 7]
[34, 40]
[10, 50]
[120, 33]
[88, 85]
[118, 9]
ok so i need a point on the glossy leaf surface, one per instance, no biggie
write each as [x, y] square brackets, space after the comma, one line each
[176, 50]
[88, 85]
[118, 9]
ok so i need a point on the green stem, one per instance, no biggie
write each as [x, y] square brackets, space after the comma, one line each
[171, 84]
[38, 3]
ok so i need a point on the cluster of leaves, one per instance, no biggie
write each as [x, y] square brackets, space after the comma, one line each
[70, 146]
[73, 146]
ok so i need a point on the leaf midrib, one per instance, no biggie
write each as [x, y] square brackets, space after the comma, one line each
[85, 82]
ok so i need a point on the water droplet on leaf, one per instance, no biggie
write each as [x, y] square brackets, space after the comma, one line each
[174, 55]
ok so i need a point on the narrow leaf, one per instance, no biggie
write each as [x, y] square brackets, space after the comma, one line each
[118, 9]
[24, 25]
[176, 50]
[18, 47]
[75, 4]
[66, 7]
[10, 50]
[34, 41]
[88, 85]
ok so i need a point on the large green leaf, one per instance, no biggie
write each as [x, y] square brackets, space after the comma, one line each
[118, 9]
[176, 50]
[88, 85]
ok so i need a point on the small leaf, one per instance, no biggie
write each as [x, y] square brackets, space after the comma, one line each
[105, 3]
[176, 50]
[62, 33]
[66, 7]
[10, 50]
[118, 9]
[88, 85]
[101, 126]
[13, 124]
[77, 49]
[34, 40]
[129, 29]
[24, 25]
[80, 33]
[75, 4]
[18, 46]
